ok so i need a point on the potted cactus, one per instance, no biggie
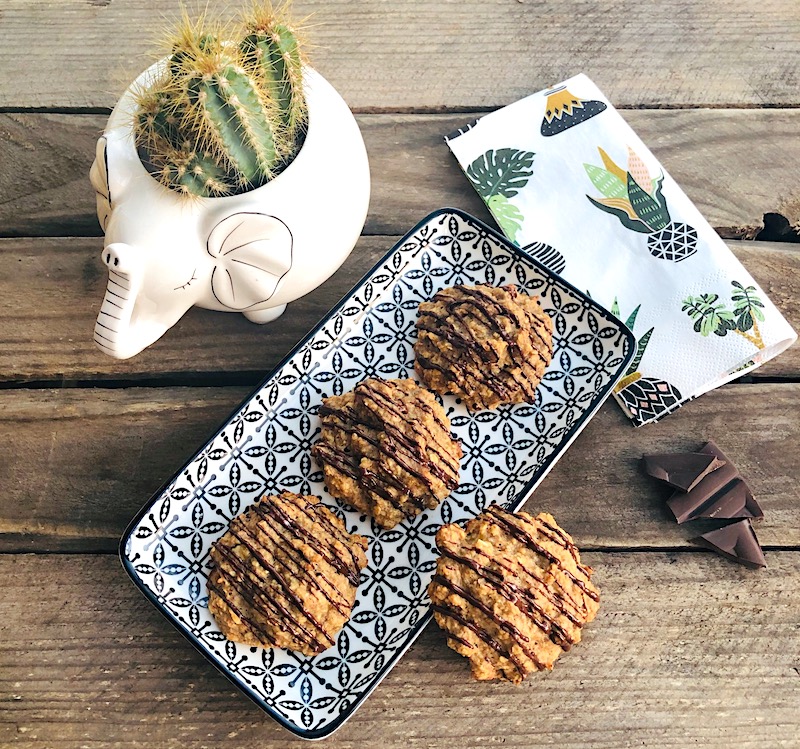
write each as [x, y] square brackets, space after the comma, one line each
[230, 176]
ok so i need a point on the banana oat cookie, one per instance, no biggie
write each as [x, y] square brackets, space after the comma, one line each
[386, 449]
[487, 345]
[510, 592]
[285, 575]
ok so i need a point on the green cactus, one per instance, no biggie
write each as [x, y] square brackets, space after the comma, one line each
[158, 120]
[232, 119]
[228, 112]
[274, 49]
[193, 173]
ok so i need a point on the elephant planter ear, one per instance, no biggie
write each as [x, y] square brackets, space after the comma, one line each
[98, 176]
[252, 253]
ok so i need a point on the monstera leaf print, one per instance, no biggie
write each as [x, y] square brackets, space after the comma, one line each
[502, 172]
[507, 215]
[709, 315]
[500, 175]
[747, 306]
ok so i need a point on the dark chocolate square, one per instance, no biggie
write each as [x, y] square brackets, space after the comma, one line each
[735, 541]
[681, 470]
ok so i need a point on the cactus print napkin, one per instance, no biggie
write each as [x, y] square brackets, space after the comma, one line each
[567, 179]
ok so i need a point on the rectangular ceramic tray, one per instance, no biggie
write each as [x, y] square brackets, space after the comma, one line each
[264, 448]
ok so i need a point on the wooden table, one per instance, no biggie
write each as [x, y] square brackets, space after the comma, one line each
[689, 650]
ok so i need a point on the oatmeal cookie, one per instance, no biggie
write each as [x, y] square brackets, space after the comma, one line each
[487, 345]
[386, 449]
[510, 592]
[285, 575]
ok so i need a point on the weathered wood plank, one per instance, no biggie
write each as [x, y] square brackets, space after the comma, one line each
[54, 290]
[672, 53]
[687, 649]
[44, 185]
[140, 438]
[51, 290]
[77, 464]
[735, 164]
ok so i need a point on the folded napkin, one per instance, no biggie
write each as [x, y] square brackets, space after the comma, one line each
[568, 180]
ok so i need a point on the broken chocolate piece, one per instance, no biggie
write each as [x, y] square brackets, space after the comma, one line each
[681, 470]
[709, 494]
[737, 542]
[735, 501]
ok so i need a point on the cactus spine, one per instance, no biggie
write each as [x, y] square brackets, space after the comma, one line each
[225, 116]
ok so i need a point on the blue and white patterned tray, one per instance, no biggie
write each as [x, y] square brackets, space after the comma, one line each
[265, 445]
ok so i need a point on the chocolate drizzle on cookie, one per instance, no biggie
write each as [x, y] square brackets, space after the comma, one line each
[387, 450]
[487, 345]
[514, 583]
[285, 575]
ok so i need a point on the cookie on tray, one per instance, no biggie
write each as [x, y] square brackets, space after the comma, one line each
[386, 449]
[285, 575]
[487, 345]
[510, 592]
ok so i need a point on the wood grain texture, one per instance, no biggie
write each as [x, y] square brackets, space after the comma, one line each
[440, 55]
[54, 290]
[51, 290]
[44, 183]
[735, 165]
[77, 464]
[687, 650]
[142, 436]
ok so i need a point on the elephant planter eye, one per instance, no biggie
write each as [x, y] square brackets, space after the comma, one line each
[188, 283]
[252, 253]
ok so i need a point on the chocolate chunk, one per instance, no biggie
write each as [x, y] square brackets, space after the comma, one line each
[709, 494]
[681, 470]
[737, 542]
[735, 501]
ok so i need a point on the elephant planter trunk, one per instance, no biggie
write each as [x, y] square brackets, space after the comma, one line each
[251, 253]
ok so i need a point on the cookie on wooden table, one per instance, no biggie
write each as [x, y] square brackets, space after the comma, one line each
[386, 449]
[487, 345]
[285, 575]
[510, 592]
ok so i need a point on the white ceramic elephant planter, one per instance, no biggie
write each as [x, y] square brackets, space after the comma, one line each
[249, 253]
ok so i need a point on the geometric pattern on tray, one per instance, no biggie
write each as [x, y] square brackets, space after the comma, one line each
[265, 447]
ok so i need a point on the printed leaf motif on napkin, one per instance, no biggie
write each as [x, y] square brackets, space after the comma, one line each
[646, 398]
[637, 200]
[712, 316]
[507, 215]
[500, 175]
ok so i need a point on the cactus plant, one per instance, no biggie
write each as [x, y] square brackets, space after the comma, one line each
[227, 113]
[272, 47]
[637, 201]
